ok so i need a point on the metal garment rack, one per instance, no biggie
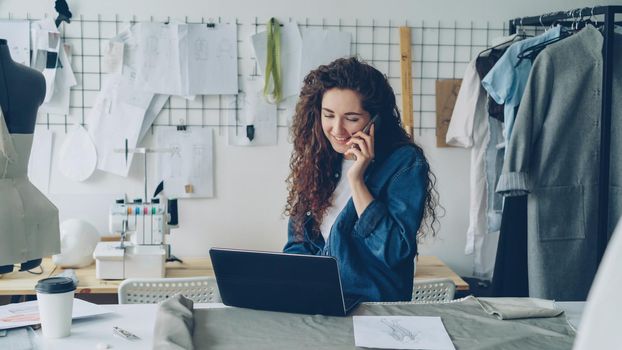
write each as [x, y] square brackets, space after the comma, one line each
[569, 17]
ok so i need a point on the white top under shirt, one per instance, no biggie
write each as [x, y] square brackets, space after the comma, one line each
[339, 199]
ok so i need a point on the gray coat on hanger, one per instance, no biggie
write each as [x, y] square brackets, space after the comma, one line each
[553, 154]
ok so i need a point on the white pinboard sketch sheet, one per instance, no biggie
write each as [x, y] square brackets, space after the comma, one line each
[188, 169]
[122, 111]
[321, 46]
[252, 109]
[17, 35]
[212, 60]
[291, 55]
[158, 60]
[401, 332]
[111, 122]
[187, 59]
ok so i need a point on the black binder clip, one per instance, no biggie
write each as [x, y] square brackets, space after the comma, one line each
[181, 126]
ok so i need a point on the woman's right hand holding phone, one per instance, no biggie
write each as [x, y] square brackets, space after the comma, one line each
[362, 148]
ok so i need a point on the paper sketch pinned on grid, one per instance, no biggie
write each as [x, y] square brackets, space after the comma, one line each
[111, 122]
[188, 170]
[252, 120]
[122, 111]
[212, 64]
[187, 59]
[158, 60]
[126, 39]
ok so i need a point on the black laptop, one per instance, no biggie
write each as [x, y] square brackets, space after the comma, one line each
[306, 284]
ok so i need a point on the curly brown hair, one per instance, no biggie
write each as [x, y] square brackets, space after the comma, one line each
[314, 163]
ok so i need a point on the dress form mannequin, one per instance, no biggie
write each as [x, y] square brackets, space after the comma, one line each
[29, 226]
[27, 90]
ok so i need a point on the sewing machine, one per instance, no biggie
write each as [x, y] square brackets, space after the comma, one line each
[144, 228]
[143, 249]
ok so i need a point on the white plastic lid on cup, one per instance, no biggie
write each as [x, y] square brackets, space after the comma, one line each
[55, 298]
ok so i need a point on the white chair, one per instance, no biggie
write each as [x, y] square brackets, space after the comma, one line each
[154, 290]
[433, 291]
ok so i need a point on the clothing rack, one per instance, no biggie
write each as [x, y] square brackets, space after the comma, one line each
[576, 16]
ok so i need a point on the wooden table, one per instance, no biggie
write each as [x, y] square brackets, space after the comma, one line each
[23, 283]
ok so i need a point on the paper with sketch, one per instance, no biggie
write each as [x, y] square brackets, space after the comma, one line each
[158, 59]
[401, 332]
[122, 111]
[27, 313]
[251, 109]
[291, 55]
[187, 59]
[40, 161]
[321, 46]
[112, 62]
[64, 81]
[112, 120]
[188, 169]
[212, 59]
[17, 35]
[130, 91]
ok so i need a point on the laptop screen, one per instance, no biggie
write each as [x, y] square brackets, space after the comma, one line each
[278, 281]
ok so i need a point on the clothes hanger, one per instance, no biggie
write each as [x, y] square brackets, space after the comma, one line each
[533, 51]
[519, 35]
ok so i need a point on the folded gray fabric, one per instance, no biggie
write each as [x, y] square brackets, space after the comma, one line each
[174, 324]
[514, 308]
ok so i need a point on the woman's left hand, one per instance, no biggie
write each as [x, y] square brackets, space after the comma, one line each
[361, 147]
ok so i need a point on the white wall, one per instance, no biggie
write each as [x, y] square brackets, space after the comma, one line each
[249, 182]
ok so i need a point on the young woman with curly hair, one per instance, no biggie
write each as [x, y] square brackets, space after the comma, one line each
[361, 198]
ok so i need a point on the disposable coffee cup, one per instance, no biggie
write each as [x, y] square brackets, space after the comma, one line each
[55, 297]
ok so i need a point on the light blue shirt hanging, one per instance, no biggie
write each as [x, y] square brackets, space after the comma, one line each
[505, 82]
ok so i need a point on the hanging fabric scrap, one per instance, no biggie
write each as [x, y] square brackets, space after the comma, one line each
[273, 64]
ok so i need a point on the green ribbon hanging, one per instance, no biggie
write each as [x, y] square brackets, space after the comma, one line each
[273, 63]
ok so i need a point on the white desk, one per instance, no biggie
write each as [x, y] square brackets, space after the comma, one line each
[140, 320]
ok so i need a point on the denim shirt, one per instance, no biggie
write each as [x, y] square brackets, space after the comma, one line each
[375, 252]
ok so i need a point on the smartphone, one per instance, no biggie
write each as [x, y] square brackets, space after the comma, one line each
[373, 120]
